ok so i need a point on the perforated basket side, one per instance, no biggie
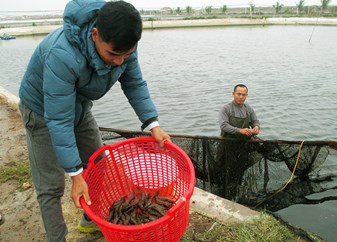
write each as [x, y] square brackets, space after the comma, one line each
[118, 169]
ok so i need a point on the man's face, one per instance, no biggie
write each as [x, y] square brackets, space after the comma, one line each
[106, 51]
[240, 95]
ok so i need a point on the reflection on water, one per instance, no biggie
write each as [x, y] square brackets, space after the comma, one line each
[191, 73]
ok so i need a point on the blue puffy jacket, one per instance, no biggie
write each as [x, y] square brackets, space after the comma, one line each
[65, 74]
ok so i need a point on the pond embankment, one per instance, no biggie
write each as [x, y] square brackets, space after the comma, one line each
[37, 29]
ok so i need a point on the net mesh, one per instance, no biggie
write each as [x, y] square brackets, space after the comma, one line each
[254, 172]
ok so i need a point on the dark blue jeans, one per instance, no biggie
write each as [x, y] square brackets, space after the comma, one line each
[48, 176]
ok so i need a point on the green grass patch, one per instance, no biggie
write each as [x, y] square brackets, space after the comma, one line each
[263, 228]
[16, 170]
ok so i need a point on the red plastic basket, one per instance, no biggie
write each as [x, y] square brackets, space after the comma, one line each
[116, 170]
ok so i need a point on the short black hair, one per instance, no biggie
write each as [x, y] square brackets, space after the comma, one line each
[240, 85]
[119, 23]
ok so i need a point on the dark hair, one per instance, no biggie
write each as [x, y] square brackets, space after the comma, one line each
[119, 23]
[240, 85]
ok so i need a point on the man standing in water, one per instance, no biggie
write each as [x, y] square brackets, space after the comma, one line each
[237, 119]
[73, 65]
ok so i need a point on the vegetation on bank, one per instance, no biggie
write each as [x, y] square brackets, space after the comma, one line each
[251, 11]
[18, 171]
[264, 228]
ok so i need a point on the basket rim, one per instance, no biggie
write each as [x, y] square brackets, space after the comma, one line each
[127, 228]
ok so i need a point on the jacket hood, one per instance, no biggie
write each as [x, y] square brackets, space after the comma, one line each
[78, 19]
[78, 14]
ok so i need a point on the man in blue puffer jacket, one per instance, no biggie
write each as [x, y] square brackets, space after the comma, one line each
[72, 66]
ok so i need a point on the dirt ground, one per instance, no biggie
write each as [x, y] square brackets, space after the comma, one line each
[20, 209]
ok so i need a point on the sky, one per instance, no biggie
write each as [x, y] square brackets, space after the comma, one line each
[38, 5]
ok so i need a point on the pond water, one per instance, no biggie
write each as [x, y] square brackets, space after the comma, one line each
[191, 73]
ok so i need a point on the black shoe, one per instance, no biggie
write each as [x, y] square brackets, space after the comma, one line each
[2, 219]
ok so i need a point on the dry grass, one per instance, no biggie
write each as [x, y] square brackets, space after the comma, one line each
[264, 228]
[16, 170]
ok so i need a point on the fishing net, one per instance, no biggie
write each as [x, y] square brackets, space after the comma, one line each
[271, 174]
